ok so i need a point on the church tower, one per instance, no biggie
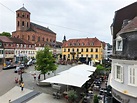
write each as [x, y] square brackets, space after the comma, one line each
[22, 19]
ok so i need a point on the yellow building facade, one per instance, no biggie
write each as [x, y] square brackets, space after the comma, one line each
[86, 48]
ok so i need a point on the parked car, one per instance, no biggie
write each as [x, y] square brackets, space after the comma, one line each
[9, 67]
[19, 68]
[29, 63]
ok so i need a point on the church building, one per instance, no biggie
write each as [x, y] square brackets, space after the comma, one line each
[34, 33]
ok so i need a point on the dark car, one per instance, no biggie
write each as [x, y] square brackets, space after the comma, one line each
[9, 67]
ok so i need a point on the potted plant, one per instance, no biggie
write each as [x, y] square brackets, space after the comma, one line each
[72, 96]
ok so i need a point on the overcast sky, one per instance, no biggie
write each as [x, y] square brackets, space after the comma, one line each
[72, 18]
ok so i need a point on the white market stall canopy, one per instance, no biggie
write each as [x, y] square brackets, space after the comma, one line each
[75, 76]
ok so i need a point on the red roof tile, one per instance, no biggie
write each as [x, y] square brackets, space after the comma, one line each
[82, 42]
[5, 39]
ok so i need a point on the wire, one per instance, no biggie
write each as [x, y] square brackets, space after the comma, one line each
[50, 23]
[7, 7]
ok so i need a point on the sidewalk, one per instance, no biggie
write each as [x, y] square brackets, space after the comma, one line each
[15, 93]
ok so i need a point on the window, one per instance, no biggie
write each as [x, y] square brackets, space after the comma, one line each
[92, 44]
[27, 24]
[22, 14]
[73, 50]
[91, 50]
[22, 23]
[68, 50]
[86, 50]
[77, 50]
[18, 15]
[43, 39]
[81, 50]
[33, 38]
[96, 56]
[96, 50]
[118, 72]
[38, 39]
[18, 23]
[91, 55]
[132, 79]
[81, 55]
[119, 43]
[28, 37]
[68, 55]
[64, 50]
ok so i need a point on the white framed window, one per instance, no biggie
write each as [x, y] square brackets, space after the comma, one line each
[132, 75]
[119, 44]
[118, 72]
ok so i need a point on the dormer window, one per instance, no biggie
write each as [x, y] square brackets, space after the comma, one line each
[92, 44]
[119, 44]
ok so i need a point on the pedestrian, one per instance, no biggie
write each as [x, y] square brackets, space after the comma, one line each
[34, 76]
[22, 86]
[16, 80]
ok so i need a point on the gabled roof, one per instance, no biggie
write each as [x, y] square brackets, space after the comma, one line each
[128, 12]
[5, 39]
[131, 26]
[19, 41]
[82, 42]
[41, 28]
[23, 9]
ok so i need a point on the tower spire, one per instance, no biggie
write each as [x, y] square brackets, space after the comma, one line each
[23, 4]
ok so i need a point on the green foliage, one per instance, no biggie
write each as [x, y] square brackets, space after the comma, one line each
[45, 61]
[96, 99]
[100, 67]
[72, 95]
[5, 34]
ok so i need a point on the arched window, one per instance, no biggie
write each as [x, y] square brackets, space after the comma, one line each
[39, 38]
[22, 23]
[43, 39]
[18, 23]
[28, 37]
[33, 38]
[18, 15]
[47, 39]
[27, 24]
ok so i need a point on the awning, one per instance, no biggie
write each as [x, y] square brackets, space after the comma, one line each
[68, 79]
[75, 76]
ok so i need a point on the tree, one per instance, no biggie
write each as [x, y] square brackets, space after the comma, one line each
[45, 61]
[96, 99]
[5, 34]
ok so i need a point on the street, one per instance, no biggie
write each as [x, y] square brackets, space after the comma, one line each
[7, 78]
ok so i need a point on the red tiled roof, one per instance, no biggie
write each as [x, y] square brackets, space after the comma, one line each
[5, 39]
[82, 42]
[131, 26]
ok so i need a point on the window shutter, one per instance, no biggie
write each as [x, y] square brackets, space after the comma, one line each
[122, 74]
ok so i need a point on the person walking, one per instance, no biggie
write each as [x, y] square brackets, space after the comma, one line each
[22, 86]
[34, 76]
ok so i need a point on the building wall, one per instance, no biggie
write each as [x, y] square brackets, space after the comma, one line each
[82, 54]
[123, 88]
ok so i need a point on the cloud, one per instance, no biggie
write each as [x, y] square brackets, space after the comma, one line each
[73, 18]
